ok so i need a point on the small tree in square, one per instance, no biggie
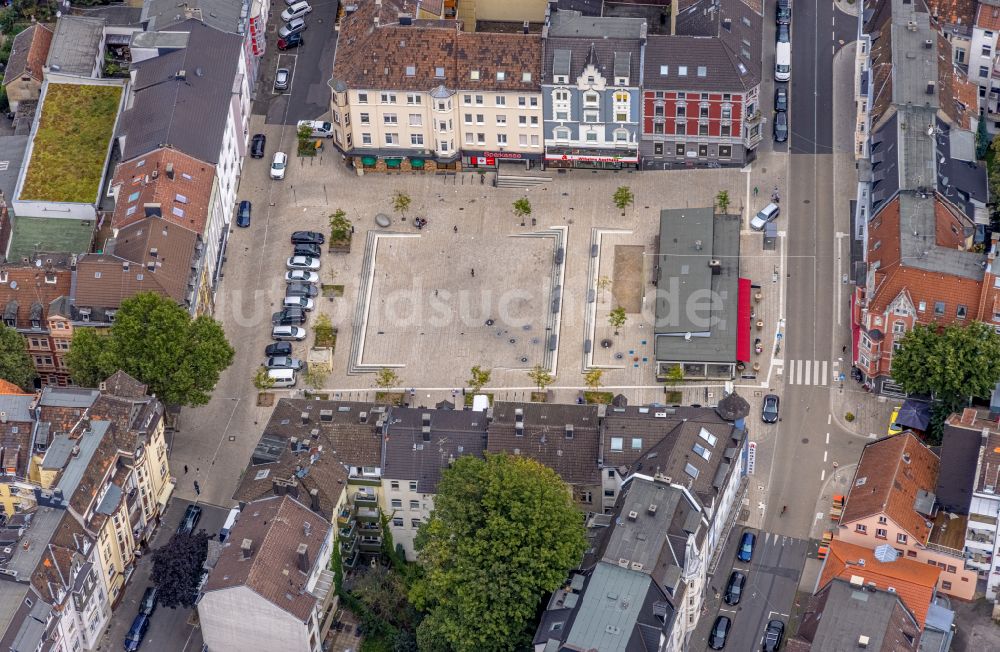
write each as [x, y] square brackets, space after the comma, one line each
[617, 318]
[522, 208]
[623, 198]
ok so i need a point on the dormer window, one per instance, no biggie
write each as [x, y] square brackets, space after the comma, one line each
[561, 79]
[3, 277]
[411, 71]
[85, 314]
[526, 77]
[439, 72]
[474, 75]
[501, 75]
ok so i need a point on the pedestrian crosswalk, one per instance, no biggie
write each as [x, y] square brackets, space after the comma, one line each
[807, 372]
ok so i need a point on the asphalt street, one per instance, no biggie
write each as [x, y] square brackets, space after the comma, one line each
[769, 592]
[170, 630]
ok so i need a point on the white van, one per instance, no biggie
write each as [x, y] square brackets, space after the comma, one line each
[783, 62]
[282, 377]
[297, 10]
[319, 129]
[228, 525]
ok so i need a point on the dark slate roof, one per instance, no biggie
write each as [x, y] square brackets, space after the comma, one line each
[957, 474]
[884, 163]
[412, 454]
[222, 15]
[584, 49]
[734, 23]
[960, 178]
[705, 62]
[187, 114]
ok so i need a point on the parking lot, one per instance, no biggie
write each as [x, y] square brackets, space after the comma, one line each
[170, 630]
[769, 592]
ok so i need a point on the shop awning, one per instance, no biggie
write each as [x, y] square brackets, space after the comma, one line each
[743, 321]
[393, 162]
[417, 162]
[367, 160]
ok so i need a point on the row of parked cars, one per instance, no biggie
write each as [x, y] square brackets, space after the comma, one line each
[782, 67]
[775, 630]
[301, 278]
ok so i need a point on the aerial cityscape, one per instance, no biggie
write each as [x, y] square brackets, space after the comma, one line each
[500, 325]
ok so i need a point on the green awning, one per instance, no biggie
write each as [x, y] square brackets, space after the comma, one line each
[393, 162]
[417, 162]
[368, 160]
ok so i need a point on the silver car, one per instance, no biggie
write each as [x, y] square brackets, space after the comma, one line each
[293, 26]
[283, 362]
[281, 78]
[768, 214]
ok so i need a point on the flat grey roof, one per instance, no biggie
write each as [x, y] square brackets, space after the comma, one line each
[164, 40]
[220, 14]
[68, 397]
[110, 501]
[918, 241]
[75, 45]
[609, 609]
[914, 63]
[574, 24]
[639, 541]
[16, 406]
[32, 544]
[11, 595]
[12, 150]
[689, 297]
[77, 465]
[849, 612]
[916, 147]
[29, 637]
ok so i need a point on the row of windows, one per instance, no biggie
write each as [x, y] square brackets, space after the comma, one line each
[880, 533]
[681, 129]
[522, 120]
[417, 140]
[563, 133]
[680, 149]
[414, 522]
[394, 485]
[659, 111]
[416, 99]
[397, 503]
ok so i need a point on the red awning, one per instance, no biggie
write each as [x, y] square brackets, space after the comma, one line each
[743, 322]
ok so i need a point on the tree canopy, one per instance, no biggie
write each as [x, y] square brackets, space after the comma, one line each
[157, 342]
[951, 362]
[15, 363]
[503, 533]
[177, 568]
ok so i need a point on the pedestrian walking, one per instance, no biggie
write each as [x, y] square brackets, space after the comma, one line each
[844, 349]
[455, 228]
[473, 272]
[185, 469]
[755, 191]
[197, 488]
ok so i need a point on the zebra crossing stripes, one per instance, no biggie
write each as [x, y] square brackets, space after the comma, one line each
[807, 372]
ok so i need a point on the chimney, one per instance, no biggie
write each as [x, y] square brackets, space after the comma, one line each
[862, 641]
[3, 417]
[519, 422]
[246, 547]
[302, 553]
[425, 433]
[906, 458]
[278, 488]
[170, 171]
[314, 499]
[569, 431]
[716, 266]
[362, 417]
[305, 417]
[326, 415]
[697, 245]
[181, 75]
[306, 528]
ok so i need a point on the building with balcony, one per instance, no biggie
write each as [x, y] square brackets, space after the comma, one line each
[892, 501]
[701, 90]
[591, 80]
[271, 588]
[418, 446]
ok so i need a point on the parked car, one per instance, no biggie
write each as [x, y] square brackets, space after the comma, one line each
[283, 362]
[302, 262]
[894, 428]
[148, 603]
[780, 98]
[298, 302]
[310, 250]
[191, 517]
[243, 214]
[734, 589]
[773, 634]
[289, 317]
[282, 333]
[136, 633]
[257, 146]
[282, 77]
[781, 127]
[297, 10]
[278, 165]
[292, 27]
[308, 237]
[301, 289]
[767, 214]
[278, 348]
[783, 11]
[317, 128]
[769, 411]
[783, 34]
[291, 41]
[745, 553]
[720, 632]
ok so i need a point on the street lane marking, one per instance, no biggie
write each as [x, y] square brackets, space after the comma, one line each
[822, 475]
[829, 419]
[827, 437]
[808, 365]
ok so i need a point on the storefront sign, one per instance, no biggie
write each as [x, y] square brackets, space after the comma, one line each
[585, 158]
[504, 155]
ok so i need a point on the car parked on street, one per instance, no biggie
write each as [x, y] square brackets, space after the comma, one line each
[773, 634]
[781, 127]
[301, 276]
[308, 237]
[191, 517]
[278, 165]
[734, 589]
[317, 128]
[283, 333]
[783, 12]
[783, 34]
[769, 411]
[292, 27]
[304, 303]
[282, 77]
[243, 214]
[278, 348]
[720, 632]
[291, 41]
[767, 214]
[745, 553]
[136, 633]
[289, 317]
[257, 146]
[148, 603]
[302, 262]
[297, 10]
[301, 289]
[780, 98]
[310, 250]
[283, 362]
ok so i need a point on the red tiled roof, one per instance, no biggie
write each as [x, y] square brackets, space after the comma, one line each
[184, 193]
[961, 12]
[912, 581]
[7, 387]
[988, 17]
[28, 285]
[28, 54]
[959, 96]
[889, 476]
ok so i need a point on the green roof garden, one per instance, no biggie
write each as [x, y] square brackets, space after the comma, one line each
[70, 148]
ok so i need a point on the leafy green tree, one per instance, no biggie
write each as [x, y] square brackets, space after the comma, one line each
[540, 376]
[386, 378]
[262, 380]
[503, 534]
[674, 376]
[15, 363]
[401, 202]
[592, 379]
[340, 226]
[522, 208]
[157, 342]
[623, 198]
[177, 568]
[951, 362]
[480, 377]
[383, 590]
[722, 201]
[316, 377]
[617, 318]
